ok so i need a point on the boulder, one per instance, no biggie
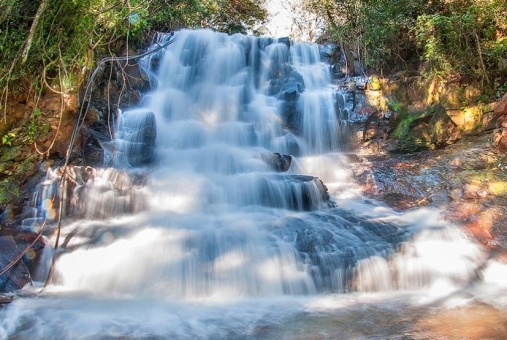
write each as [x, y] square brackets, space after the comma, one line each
[500, 140]
[501, 107]
[431, 129]
[277, 161]
[96, 136]
[467, 119]
[16, 277]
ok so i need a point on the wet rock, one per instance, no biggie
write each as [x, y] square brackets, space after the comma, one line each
[23, 239]
[277, 161]
[285, 40]
[403, 202]
[135, 139]
[295, 192]
[327, 52]
[155, 62]
[292, 115]
[352, 158]
[373, 128]
[293, 145]
[134, 76]
[16, 277]
[366, 110]
[96, 135]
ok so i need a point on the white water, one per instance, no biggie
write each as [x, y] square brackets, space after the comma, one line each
[215, 244]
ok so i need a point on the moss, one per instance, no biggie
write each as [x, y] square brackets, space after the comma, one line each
[10, 153]
[28, 164]
[8, 191]
[404, 121]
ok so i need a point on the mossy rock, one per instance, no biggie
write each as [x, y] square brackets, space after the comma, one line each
[10, 153]
[9, 191]
[425, 129]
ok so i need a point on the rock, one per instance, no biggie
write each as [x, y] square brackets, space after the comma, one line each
[277, 161]
[285, 40]
[471, 191]
[135, 139]
[456, 194]
[432, 129]
[372, 128]
[501, 107]
[502, 145]
[5, 299]
[352, 158]
[296, 192]
[96, 136]
[293, 145]
[366, 110]
[500, 140]
[468, 119]
[33, 256]
[16, 277]
[290, 112]
[374, 84]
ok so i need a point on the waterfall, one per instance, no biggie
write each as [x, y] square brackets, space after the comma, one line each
[228, 210]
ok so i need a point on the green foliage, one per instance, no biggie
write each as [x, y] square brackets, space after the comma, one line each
[456, 39]
[8, 138]
[32, 127]
[50, 40]
[465, 42]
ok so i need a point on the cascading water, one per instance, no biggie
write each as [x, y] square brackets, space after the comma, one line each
[245, 224]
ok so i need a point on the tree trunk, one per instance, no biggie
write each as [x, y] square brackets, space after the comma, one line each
[5, 10]
[35, 23]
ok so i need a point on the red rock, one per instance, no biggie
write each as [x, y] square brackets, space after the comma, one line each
[501, 107]
[471, 191]
[502, 144]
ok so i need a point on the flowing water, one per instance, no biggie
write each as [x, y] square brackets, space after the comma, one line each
[229, 214]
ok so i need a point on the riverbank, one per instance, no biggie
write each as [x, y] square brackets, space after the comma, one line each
[466, 180]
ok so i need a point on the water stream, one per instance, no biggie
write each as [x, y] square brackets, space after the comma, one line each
[226, 211]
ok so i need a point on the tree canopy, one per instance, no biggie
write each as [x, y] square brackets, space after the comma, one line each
[52, 41]
[459, 39]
